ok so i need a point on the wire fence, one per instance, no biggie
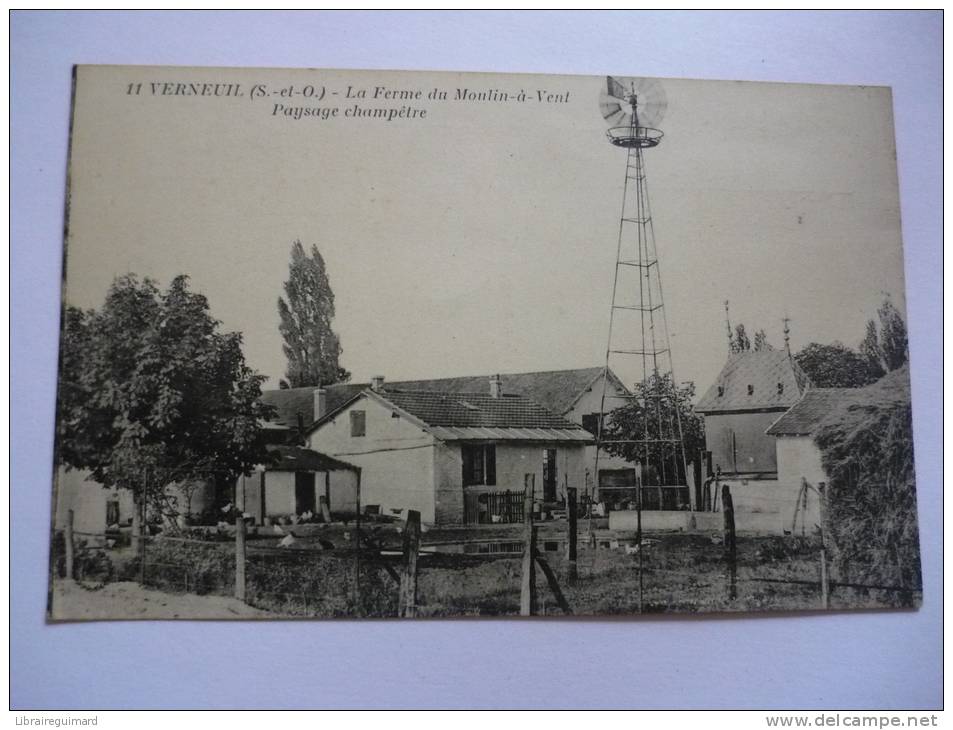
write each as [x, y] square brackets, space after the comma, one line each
[366, 576]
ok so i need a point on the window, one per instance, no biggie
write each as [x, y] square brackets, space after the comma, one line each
[358, 423]
[479, 464]
[780, 388]
[590, 422]
[750, 390]
[721, 390]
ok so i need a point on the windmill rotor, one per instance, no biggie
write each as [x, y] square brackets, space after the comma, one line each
[633, 108]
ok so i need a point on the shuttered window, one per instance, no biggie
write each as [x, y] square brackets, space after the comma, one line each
[358, 423]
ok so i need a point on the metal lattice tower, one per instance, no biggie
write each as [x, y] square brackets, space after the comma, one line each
[639, 348]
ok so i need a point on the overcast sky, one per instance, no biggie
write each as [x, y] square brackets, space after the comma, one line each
[482, 237]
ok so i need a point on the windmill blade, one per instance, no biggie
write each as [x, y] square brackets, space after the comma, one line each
[615, 88]
[614, 111]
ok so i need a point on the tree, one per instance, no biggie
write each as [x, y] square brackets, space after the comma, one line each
[836, 366]
[761, 341]
[886, 347]
[151, 393]
[310, 345]
[740, 341]
[657, 406]
[870, 348]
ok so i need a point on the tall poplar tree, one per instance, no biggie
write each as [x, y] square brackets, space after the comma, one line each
[310, 345]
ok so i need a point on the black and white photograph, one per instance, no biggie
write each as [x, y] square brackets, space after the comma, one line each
[383, 344]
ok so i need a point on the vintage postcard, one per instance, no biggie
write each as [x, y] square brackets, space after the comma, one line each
[396, 344]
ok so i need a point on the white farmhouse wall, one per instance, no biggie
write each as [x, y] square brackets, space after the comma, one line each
[280, 495]
[798, 456]
[513, 462]
[343, 488]
[591, 402]
[396, 457]
[87, 498]
[76, 491]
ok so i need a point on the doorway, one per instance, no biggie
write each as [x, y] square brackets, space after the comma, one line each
[549, 475]
[304, 492]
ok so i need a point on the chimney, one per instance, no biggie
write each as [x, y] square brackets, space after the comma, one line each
[496, 386]
[320, 402]
[377, 383]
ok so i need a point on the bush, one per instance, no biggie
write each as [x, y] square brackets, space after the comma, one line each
[867, 451]
[210, 568]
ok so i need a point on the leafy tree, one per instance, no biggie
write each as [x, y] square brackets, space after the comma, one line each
[740, 341]
[656, 408]
[836, 366]
[885, 346]
[310, 345]
[893, 336]
[151, 393]
[870, 348]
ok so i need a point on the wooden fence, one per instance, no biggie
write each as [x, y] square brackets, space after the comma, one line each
[504, 507]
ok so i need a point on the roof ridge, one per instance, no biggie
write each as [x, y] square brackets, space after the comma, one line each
[502, 374]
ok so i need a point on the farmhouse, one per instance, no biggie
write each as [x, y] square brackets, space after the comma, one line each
[575, 394]
[450, 455]
[292, 485]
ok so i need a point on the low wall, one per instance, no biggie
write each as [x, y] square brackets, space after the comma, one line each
[771, 523]
[652, 520]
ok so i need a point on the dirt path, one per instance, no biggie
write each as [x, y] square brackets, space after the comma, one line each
[128, 600]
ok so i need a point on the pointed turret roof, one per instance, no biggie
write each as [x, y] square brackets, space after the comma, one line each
[754, 380]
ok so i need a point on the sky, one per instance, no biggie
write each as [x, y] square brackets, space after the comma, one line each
[482, 237]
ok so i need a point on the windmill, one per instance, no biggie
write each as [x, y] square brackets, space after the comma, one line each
[638, 345]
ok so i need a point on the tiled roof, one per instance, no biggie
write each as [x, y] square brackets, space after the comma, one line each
[555, 390]
[805, 415]
[289, 402]
[295, 458]
[763, 371]
[476, 410]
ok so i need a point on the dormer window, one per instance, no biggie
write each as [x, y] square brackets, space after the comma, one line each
[750, 389]
[721, 390]
[780, 388]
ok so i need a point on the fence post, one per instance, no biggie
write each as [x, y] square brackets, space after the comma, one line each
[357, 547]
[141, 532]
[825, 573]
[528, 584]
[69, 544]
[731, 553]
[240, 558]
[136, 525]
[572, 572]
[407, 600]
